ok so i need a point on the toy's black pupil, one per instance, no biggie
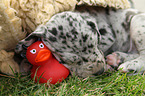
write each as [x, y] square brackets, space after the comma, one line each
[33, 50]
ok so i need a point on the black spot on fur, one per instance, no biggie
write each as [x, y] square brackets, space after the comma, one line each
[63, 16]
[80, 41]
[117, 31]
[79, 24]
[57, 50]
[75, 47]
[125, 26]
[74, 32]
[60, 27]
[53, 31]
[114, 35]
[90, 66]
[73, 39]
[124, 44]
[68, 46]
[94, 52]
[68, 35]
[85, 48]
[91, 24]
[68, 19]
[91, 46]
[62, 35]
[85, 37]
[84, 59]
[110, 39]
[140, 41]
[52, 21]
[64, 47]
[62, 62]
[102, 31]
[79, 63]
[74, 19]
[107, 11]
[103, 43]
[91, 38]
[136, 61]
[53, 39]
[89, 51]
[64, 42]
[71, 23]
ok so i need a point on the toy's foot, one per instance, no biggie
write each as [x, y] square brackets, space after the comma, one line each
[113, 60]
[136, 65]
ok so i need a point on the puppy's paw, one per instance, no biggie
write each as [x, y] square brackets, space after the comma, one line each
[136, 65]
[113, 60]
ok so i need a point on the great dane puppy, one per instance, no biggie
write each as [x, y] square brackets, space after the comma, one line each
[90, 40]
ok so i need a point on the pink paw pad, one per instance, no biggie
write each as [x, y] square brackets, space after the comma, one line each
[113, 60]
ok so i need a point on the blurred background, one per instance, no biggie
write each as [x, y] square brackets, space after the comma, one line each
[139, 4]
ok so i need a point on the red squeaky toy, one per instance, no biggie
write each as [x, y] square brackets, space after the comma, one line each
[45, 66]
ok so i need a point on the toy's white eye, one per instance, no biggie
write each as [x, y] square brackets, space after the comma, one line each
[41, 45]
[33, 51]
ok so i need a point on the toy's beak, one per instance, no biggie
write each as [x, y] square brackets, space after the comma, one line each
[43, 55]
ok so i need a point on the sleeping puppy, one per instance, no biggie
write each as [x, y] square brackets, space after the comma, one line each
[83, 39]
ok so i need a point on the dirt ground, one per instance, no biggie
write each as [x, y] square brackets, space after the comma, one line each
[139, 4]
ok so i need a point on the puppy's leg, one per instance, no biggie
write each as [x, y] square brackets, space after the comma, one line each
[137, 31]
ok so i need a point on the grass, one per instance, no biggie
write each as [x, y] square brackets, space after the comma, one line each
[107, 84]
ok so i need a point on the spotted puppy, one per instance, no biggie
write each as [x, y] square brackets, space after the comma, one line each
[82, 39]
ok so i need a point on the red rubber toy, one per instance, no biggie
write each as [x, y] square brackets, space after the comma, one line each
[45, 67]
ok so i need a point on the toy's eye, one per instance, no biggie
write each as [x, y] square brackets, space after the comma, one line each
[33, 51]
[41, 45]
